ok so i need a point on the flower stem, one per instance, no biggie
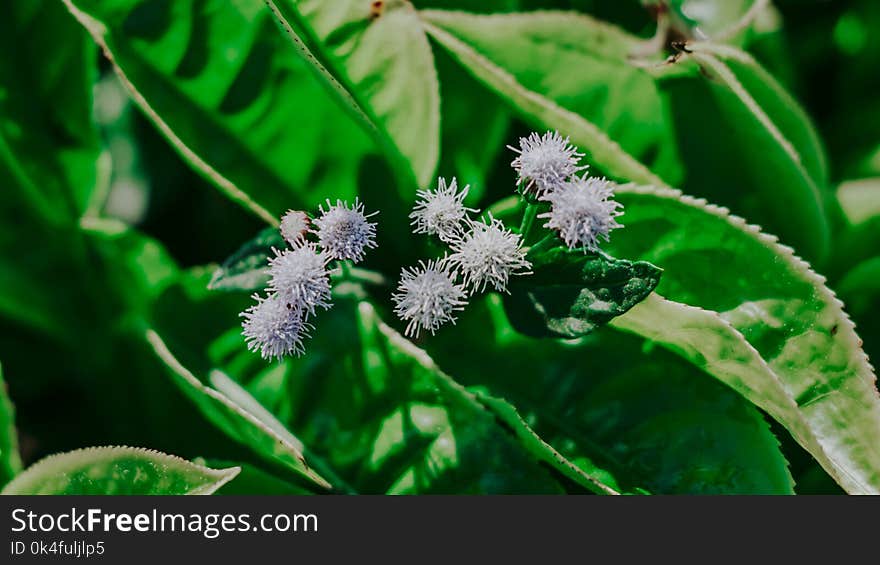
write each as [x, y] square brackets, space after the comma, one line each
[345, 270]
[548, 242]
[359, 275]
[528, 220]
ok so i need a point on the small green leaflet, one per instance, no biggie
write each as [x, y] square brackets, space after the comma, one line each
[118, 470]
[572, 293]
[234, 418]
[246, 269]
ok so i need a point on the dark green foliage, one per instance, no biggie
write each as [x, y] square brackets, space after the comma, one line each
[571, 293]
[694, 353]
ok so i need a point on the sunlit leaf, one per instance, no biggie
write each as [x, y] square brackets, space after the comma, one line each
[569, 72]
[118, 470]
[225, 89]
[755, 316]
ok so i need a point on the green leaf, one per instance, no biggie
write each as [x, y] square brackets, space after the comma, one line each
[48, 142]
[860, 200]
[571, 293]
[859, 238]
[10, 461]
[860, 291]
[118, 470]
[379, 59]
[246, 269]
[224, 88]
[569, 72]
[384, 417]
[608, 401]
[487, 6]
[468, 107]
[752, 314]
[265, 436]
[708, 18]
[584, 473]
[254, 481]
[771, 168]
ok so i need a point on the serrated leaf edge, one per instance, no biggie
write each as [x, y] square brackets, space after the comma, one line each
[802, 267]
[165, 354]
[98, 31]
[223, 476]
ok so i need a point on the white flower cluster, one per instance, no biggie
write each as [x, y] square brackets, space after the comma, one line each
[482, 253]
[582, 208]
[545, 162]
[299, 279]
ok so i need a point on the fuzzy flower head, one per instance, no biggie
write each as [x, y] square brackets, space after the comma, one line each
[427, 297]
[583, 211]
[294, 226]
[299, 276]
[488, 255]
[344, 232]
[273, 328]
[441, 212]
[545, 162]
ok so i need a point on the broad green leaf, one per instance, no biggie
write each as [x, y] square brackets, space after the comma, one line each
[48, 142]
[770, 168]
[566, 71]
[266, 437]
[382, 414]
[647, 417]
[118, 470]
[571, 293]
[10, 461]
[48, 153]
[793, 123]
[110, 272]
[246, 269]
[223, 86]
[755, 316]
[379, 55]
[583, 473]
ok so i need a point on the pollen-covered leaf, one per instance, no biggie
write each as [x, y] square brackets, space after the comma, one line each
[118, 470]
[10, 460]
[755, 316]
[572, 293]
[247, 268]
